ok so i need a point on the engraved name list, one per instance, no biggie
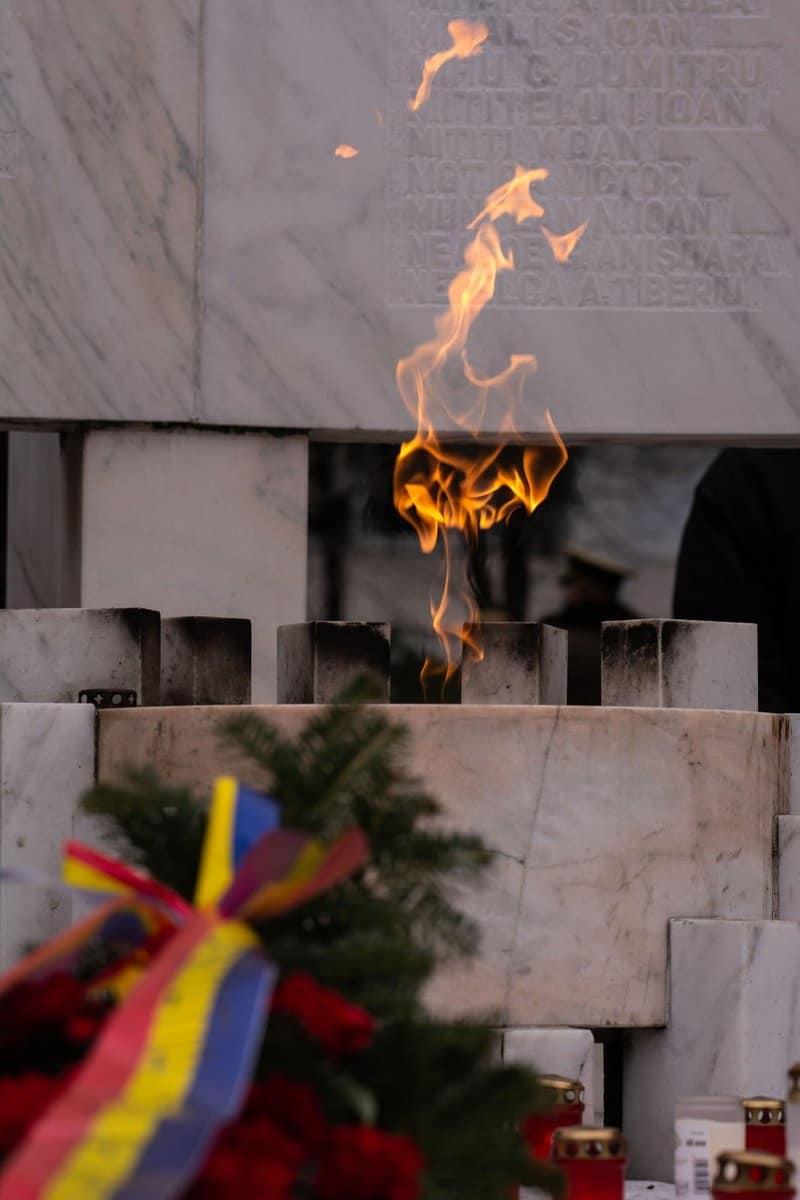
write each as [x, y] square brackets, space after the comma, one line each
[618, 98]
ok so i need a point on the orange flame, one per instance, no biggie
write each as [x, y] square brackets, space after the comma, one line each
[563, 244]
[345, 151]
[514, 198]
[442, 489]
[468, 38]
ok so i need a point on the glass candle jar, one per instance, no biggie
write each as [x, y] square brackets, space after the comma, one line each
[765, 1125]
[563, 1107]
[793, 1115]
[752, 1175]
[593, 1162]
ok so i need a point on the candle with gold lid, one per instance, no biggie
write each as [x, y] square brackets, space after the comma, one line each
[753, 1175]
[765, 1124]
[793, 1115]
[562, 1107]
[593, 1161]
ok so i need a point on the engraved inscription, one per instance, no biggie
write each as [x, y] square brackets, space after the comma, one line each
[9, 153]
[607, 94]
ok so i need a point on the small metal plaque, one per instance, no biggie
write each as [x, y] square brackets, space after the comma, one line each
[108, 697]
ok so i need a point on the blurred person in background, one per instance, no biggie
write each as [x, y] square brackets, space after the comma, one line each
[591, 584]
[740, 561]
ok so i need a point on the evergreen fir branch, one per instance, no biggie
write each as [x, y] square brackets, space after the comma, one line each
[159, 827]
[376, 938]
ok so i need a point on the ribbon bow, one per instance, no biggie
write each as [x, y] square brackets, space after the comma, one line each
[174, 1060]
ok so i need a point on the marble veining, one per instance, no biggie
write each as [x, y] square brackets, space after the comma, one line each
[99, 179]
[321, 272]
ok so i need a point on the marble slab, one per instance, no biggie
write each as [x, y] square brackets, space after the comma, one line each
[734, 1028]
[206, 523]
[672, 132]
[99, 201]
[51, 655]
[789, 868]
[794, 763]
[647, 1190]
[47, 761]
[36, 507]
[606, 823]
[633, 1191]
[570, 1053]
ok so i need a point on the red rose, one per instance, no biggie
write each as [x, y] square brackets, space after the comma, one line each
[253, 1158]
[369, 1164]
[23, 1099]
[293, 1106]
[42, 1004]
[338, 1026]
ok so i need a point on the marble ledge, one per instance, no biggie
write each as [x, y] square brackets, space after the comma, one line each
[590, 864]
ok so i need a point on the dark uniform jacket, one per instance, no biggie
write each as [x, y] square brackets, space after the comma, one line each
[740, 561]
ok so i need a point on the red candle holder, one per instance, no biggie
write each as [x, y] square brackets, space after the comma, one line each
[593, 1162]
[563, 1108]
[765, 1125]
[753, 1175]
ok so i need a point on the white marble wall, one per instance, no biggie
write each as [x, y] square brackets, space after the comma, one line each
[321, 272]
[99, 204]
[180, 243]
[46, 763]
[606, 823]
[195, 523]
[733, 1029]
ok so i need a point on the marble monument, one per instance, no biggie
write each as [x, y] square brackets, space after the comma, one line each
[181, 243]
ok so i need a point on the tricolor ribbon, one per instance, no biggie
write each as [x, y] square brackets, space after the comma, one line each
[173, 1062]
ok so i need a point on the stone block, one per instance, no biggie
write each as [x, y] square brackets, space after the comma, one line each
[566, 1052]
[190, 521]
[734, 1028]
[696, 340]
[47, 758]
[316, 660]
[794, 763]
[205, 660]
[680, 664]
[52, 654]
[99, 200]
[606, 823]
[647, 1190]
[633, 1191]
[789, 868]
[523, 663]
